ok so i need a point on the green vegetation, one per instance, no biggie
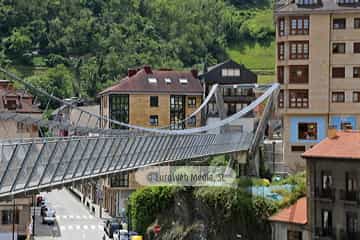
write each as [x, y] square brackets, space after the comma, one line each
[98, 40]
[222, 210]
[254, 56]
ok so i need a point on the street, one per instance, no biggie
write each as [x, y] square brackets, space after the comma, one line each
[73, 220]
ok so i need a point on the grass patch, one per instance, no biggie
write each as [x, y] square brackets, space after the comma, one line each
[264, 79]
[254, 56]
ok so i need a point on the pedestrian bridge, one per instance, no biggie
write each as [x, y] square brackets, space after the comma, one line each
[44, 163]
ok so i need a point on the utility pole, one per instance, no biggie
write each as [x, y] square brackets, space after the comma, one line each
[13, 219]
[273, 155]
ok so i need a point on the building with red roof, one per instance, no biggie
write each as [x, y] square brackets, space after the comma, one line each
[153, 98]
[291, 223]
[333, 177]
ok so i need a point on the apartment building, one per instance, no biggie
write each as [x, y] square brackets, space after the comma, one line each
[150, 98]
[15, 215]
[230, 73]
[318, 67]
[333, 177]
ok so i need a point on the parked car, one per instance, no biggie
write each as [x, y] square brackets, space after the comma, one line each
[123, 234]
[49, 216]
[111, 225]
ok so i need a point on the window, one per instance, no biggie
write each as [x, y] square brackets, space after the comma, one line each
[152, 80]
[357, 47]
[338, 72]
[154, 101]
[352, 223]
[357, 23]
[177, 111]
[183, 80]
[307, 131]
[326, 222]
[21, 127]
[191, 102]
[280, 74]
[356, 72]
[154, 120]
[11, 104]
[281, 51]
[7, 217]
[298, 99]
[351, 185]
[281, 27]
[299, 25]
[339, 23]
[228, 72]
[294, 235]
[281, 99]
[120, 180]
[326, 180]
[231, 109]
[298, 148]
[339, 48]
[338, 97]
[119, 109]
[299, 50]
[192, 121]
[299, 74]
[356, 97]
[345, 126]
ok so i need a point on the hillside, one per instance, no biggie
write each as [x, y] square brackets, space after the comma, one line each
[95, 41]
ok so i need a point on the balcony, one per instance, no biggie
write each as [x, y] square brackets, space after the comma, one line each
[345, 235]
[325, 233]
[325, 194]
[350, 196]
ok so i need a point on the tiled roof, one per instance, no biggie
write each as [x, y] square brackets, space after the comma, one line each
[324, 6]
[343, 145]
[295, 214]
[7, 92]
[140, 83]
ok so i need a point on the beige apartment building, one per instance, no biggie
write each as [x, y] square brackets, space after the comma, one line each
[318, 67]
[15, 215]
[150, 98]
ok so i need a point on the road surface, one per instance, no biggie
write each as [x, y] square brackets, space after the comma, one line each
[73, 220]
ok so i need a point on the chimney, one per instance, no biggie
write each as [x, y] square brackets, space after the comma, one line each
[332, 132]
[131, 72]
[147, 69]
[194, 72]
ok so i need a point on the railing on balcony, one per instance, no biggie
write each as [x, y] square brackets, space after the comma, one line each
[351, 196]
[325, 233]
[346, 235]
[325, 193]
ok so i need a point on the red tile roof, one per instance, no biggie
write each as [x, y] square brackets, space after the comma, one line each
[139, 83]
[344, 145]
[296, 213]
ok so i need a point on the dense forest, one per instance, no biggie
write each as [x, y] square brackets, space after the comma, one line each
[77, 47]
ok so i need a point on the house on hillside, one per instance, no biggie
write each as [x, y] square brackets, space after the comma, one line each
[230, 73]
[21, 102]
[153, 98]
